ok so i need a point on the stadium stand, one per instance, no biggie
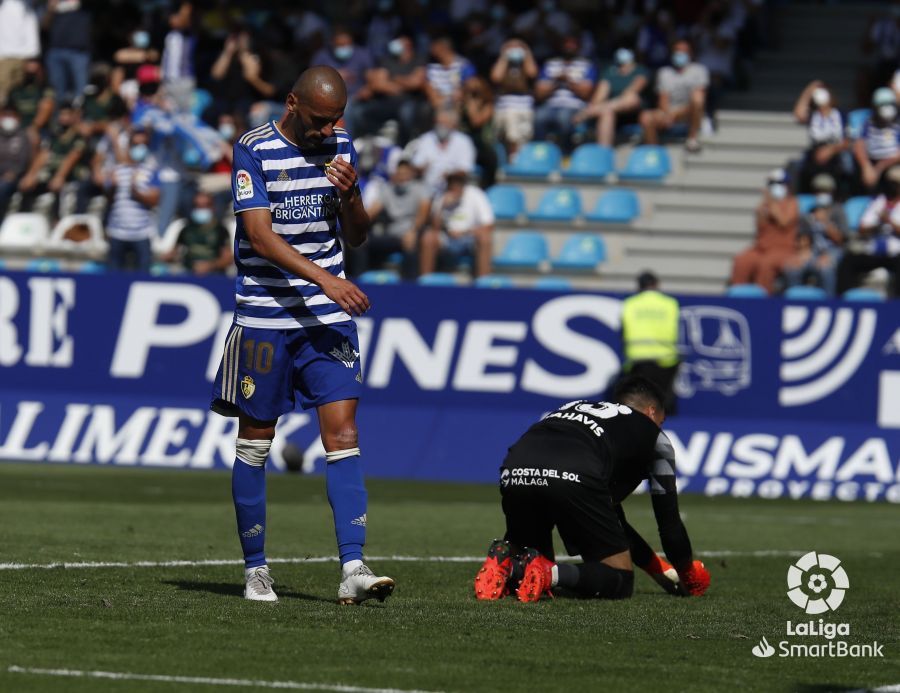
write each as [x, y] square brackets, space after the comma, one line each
[590, 162]
[558, 204]
[616, 206]
[584, 251]
[523, 250]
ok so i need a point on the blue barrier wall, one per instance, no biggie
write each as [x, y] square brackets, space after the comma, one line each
[777, 398]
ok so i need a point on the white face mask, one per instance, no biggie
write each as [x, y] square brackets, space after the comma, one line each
[9, 124]
[821, 97]
[778, 191]
[823, 200]
[887, 112]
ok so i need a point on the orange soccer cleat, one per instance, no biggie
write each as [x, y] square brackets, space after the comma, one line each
[491, 579]
[538, 576]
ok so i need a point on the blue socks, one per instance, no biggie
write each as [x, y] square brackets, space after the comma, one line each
[348, 499]
[248, 489]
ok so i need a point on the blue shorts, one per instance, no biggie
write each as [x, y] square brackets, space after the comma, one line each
[265, 372]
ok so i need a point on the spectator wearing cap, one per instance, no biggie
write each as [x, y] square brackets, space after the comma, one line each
[878, 146]
[68, 56]
[443, 149]
[399, 209]
[620, 92]
[15, 154]
[462, 224]
[513, 75]
[825, 125]
[564, 85]
[20, 41]
[820, 240]
[650, 337]
[446, 75]
[681, 89]
[777, 220]
[878, 244]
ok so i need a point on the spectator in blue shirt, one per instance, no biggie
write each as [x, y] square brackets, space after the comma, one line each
[353, 62]
[564, 85]
[447, 75]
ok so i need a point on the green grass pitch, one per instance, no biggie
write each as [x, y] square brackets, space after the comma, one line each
[431, 635]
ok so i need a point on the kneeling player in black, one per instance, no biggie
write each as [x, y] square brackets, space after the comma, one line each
[572, 470]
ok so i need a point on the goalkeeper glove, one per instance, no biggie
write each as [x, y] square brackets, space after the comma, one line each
[663, 574]
[695, 579]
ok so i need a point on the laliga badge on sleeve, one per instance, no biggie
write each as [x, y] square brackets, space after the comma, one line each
[243, 185]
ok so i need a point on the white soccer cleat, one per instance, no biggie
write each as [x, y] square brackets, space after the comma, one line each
[259, 585]
[363, 584]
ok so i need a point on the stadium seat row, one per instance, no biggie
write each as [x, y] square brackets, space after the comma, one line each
[853, 208]
[488, 281]
[615, 206]
[803, 293]
[589, 162]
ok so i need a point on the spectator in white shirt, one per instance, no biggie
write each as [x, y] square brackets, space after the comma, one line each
[443, 149]
[513, 74]
[19, 40]
[682, 98]
[462, 224]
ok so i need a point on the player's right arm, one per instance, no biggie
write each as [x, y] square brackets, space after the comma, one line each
[252, 202]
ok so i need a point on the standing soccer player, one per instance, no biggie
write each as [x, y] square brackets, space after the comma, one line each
[293, 339]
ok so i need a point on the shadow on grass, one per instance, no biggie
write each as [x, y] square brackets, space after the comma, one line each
[232, 589]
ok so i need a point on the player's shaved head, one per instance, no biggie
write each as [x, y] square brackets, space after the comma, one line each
[321, 84]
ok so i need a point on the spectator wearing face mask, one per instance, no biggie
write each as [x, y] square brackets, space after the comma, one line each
[462, 224]
[34, 100]
[15, 154]
[353, 62]
[620, 93]
[136, 193]
[820, 240]
[20, 40]
[447, 74]
[878, 244]
[442, 150]
[878, 146]
[543, 26]
[382, 27]
[238, 75]
[825, 125]
[513, 75]
[682, 98]
[203, 246]
[399, 210]
[128, 60]
[397, 88]
[564, 85]
[777, 219]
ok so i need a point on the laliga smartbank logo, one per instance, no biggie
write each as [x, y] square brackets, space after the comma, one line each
[817, 583]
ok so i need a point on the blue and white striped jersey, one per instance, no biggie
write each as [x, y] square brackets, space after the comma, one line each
[269, 172]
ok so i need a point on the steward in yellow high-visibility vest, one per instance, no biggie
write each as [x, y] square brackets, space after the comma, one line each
[650, 336]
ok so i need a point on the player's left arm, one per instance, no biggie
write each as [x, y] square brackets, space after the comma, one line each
[354, 220]
[645, 558]
[672, 533]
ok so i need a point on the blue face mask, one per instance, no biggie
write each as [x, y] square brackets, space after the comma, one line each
[138, 152]
[226, 130]
[395, 47]
[202, 216]
[140, 39]
[681, 59]
[343, 52]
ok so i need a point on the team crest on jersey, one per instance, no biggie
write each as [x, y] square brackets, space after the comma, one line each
[283, 177]
[248, 387]
[243, 185]
[346, 354]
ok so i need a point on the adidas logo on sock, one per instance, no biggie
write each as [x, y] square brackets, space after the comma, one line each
[256, 530]
[359, 521]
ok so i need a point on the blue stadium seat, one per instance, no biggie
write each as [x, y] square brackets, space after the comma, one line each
[647, 162]
[805, 203]
[553, 284]
[200, 101]
[855, 121]
[92, 267]
[494, 281]
[507, 201]
[854, 208]
[439, 279]
[802, 292]
[379, 277]
[616, 206]
[535, 160]
[523, 249]
[43, 264]
[558, 204]
[863, 294]
[746, 291]
[590, 161]
[582, 251]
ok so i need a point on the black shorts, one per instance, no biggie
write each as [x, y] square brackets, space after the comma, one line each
[537, 498]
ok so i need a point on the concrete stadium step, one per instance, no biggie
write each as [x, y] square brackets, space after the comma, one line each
[794, 137]
[754, 158]
[674, 285]
[703, 203]
[716, 180]
[691, 224]
[646, 245]
[710, 271]
[727, 117]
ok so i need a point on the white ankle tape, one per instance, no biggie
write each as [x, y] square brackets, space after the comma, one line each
[336, 455]
[252, 452]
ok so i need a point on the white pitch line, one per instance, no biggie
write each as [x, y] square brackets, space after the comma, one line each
[243, 683]
[766, 553]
